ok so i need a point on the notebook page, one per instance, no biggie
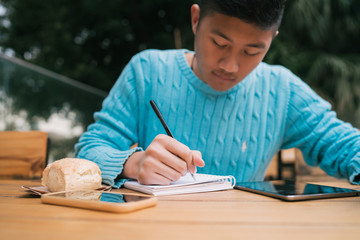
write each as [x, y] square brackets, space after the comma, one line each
[201, 187]
[188, 180]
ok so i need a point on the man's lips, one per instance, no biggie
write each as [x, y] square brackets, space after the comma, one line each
[224, 77]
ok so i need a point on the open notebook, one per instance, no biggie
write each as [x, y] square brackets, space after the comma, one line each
[186, 184]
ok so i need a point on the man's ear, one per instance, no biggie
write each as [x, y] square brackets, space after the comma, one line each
[275, 34]
[195, 15]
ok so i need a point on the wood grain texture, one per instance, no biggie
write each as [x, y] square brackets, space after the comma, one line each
[231, 214]
[22, 154]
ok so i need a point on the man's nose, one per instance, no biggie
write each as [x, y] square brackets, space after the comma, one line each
[229, 64]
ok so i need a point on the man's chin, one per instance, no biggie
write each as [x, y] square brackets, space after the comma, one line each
[219, 84]
[221, 87]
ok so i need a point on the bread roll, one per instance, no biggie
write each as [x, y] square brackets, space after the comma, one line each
[84, 195]
[71, 174]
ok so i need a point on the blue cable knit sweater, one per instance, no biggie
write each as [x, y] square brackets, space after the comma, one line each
[237, 131]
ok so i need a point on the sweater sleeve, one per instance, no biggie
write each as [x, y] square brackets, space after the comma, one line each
[324, 140]
[107, 141]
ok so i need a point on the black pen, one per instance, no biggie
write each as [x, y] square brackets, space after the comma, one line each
[159, 115]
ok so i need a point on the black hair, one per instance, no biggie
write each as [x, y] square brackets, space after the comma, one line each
[265, 14]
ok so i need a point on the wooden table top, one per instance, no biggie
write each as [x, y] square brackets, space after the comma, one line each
[231, 214]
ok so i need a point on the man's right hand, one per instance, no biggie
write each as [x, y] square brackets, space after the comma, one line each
[164, 161]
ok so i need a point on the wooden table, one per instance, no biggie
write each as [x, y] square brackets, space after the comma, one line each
[222, 215]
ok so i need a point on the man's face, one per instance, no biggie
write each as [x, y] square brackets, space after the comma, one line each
[227, 49]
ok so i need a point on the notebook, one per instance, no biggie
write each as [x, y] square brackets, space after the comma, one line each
[186, 184]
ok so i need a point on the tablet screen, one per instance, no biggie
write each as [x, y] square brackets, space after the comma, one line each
[291, 190]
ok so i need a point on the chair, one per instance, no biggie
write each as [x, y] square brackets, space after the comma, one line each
[23, 154]
[287, 164]
[284, 165]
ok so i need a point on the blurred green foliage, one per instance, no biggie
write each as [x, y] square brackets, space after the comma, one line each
[319, 41]
[92, 40]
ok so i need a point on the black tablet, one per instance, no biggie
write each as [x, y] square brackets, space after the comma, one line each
[294, 191]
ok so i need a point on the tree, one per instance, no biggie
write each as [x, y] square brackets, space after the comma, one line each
[91, 40]
[319, 41]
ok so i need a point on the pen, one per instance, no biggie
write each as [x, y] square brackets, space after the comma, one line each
[159, 115]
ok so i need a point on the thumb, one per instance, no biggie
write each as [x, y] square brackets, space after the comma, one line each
[197, 159]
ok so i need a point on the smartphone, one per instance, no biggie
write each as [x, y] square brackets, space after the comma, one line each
[101, 201]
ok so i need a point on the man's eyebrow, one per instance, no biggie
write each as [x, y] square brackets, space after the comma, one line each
[255, 45]
[217, 32]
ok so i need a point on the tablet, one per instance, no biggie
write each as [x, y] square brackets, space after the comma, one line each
[294, 191]
[101, 201]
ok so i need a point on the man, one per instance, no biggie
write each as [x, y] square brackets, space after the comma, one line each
[229, 112]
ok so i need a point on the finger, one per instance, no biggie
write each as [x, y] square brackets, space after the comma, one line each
[197, 159]
[154, 178]
[168, 172]
[174, 162]
[178, 149]
[157, 151]
[152, 165]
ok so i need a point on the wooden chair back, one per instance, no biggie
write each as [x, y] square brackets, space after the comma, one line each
[22, 154]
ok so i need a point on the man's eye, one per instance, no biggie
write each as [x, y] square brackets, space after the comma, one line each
[219, 45]
[251, 53]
